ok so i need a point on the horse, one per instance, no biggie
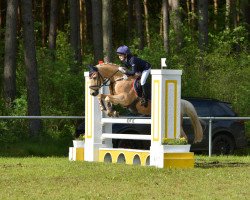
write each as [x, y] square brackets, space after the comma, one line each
[122, 92]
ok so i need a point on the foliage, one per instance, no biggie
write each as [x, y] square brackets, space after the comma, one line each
[80, 137]
[60, 89]
[221, 72]
[179, 141]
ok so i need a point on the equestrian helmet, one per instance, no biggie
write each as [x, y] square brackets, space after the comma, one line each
[123, 50]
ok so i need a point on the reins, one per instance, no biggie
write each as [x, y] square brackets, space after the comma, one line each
[105, 81]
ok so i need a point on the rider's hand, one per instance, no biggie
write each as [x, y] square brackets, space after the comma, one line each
[125, 77]
[122, 70]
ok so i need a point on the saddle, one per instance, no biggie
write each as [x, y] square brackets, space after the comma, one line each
[138, 88]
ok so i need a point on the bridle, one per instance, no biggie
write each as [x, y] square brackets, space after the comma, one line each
[101, 81]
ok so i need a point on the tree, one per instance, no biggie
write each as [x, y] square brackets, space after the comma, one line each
[10, 52]
[130, 19]
[215, 14]
[139, 23]
[145, 3]
[43, 19]
[107, 29]
[88, 8]
[203, 23]
[53, 26]
[97, 30]
[165, 11]
[176, 20]
[31, 68]
[245, 7]
[82, 23]
[75, 31]
[1, 20]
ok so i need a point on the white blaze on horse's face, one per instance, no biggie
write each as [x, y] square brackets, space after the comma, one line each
[94, 84]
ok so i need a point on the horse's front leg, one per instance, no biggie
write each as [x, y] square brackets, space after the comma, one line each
[101, 103]
[121, 99]
[108, 107]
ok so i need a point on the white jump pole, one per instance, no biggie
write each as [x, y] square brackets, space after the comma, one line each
[93, 128]
[165, 111]
[93, 125]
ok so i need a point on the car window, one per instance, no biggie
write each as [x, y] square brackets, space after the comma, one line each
[228, 109]
[202, 108]
[222, 110]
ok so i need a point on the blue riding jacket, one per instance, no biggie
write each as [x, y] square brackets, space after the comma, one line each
[136, 65]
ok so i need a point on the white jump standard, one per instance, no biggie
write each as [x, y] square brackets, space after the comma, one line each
[165, 123]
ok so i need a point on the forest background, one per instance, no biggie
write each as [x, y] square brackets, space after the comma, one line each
[45, 48]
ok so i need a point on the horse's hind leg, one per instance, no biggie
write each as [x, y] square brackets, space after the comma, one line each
[110, 111]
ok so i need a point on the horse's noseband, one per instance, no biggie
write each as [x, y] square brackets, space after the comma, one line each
[99, 81]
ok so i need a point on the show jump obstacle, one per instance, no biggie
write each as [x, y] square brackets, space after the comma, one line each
[165, 123]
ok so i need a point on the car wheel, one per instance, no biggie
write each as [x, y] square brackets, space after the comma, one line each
[134, 144]
[128, 144]
[223, 145]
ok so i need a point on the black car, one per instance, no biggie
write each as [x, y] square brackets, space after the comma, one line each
[227, 135]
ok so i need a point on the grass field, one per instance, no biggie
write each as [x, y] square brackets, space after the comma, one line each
[58, 178]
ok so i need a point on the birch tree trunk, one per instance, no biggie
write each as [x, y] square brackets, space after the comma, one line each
[227, 14]
[145, 3]
[165, 20]
[215, 14]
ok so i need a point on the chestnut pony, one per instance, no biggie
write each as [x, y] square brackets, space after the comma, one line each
[123, 93]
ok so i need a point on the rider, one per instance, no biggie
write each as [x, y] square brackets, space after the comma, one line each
[138, 66]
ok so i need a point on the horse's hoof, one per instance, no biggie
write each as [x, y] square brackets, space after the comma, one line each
[103, 109]
[109, 114]
[116, 114]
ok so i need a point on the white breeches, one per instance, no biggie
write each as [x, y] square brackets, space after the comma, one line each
[144, 76]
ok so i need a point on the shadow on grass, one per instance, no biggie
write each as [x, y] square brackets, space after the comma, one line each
[35, 148]
[217, 164]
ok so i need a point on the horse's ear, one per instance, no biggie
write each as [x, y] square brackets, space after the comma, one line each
[92, 69]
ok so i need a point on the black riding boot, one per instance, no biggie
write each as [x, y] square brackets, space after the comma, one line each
[144, 101]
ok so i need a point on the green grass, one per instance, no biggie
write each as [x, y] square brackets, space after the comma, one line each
[58, 178]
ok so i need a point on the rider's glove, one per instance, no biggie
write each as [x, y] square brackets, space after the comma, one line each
[125, 77]
[122, 70]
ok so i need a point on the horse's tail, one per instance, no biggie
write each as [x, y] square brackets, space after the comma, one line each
[188, 108]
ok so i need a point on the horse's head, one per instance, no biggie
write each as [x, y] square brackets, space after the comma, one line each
[95, 79]
[100, 75]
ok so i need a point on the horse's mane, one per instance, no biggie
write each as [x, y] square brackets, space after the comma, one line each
[110, 64]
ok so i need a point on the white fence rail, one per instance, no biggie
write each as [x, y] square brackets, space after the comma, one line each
[130, 120]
